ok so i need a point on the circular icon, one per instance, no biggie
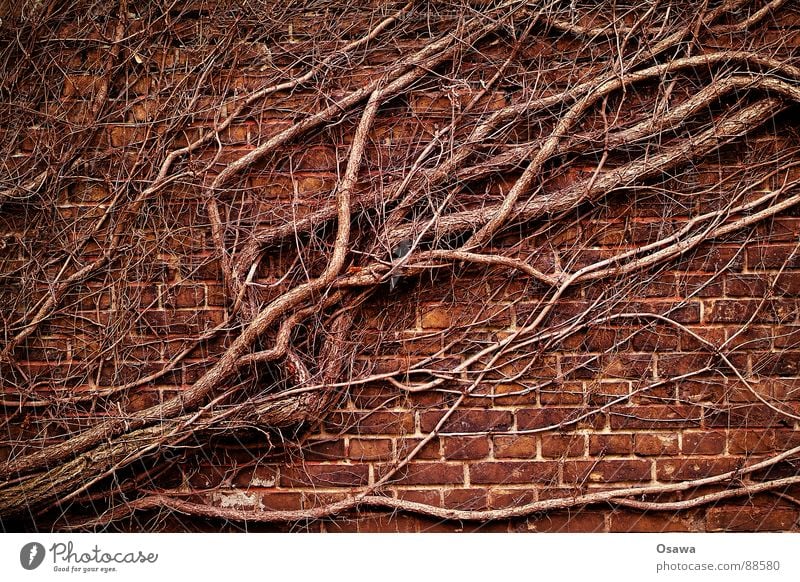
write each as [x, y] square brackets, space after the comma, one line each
[31, 555]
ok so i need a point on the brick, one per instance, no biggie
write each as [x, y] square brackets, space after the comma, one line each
[369, 449]
[424, 496]
[515, 447]
[739, 285]
[465, 448]
[702, 443]
[578, 521]
[751, 519]
[505, 498]
[607, 471]
[745, 310]
[541, 418]
[696, 468]
[379, 422]
[323, 450]
[558, 446]
[700, 286]
[316, 475]
[610, 444]
[715, 336]
[508, 472]
[433, 473]
[752, 337]
[567, 393]
[654, 417]
[386, 522]
[656, 522]
[713, 259]
[681, 363]
[786, 363]
[747, 416]
[604, 392]
[773, 256]
[788, 283]
[281, 501]
[761, 441]
[656, 444]
[430, 451]
[183, 296]
[467, 421]
[711, 390]
[472, 499]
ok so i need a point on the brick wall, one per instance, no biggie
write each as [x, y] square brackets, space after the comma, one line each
[616, 402]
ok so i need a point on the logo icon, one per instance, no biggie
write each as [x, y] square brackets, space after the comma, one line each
[31, 555]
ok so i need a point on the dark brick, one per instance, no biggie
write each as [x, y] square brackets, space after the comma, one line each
[697, 468]
[467, 421]
[747, 416]
[606, 471]
[578, 521]
[515, 447]
[749, 519]
[433, 473]
[773, 256]
[558, 446]
[465, 448]
[472, 499]
[540, 418]
[610, 444]
[315, 475]
[656, 444]
[655, 417]
[702, 443]
[370, 449]
[621, 520]
[379, 422]
[507, 472]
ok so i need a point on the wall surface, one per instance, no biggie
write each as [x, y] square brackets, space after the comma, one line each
[655, 377]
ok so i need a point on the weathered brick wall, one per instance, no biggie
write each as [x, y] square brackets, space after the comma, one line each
[616, 402]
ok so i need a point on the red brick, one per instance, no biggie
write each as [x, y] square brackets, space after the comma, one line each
[606, 471]
[610, 444]
[577, 521]
[656, 522]
[747, 416]
[433, 473]
[467, 421]
[472, 499]
[465, 448]
[540, 418]
[568, 393]
[702, 443]
[515, 447]
[558, 446]
[281, 501]
[773, 256]
[697, 468]
[656, 444]
[702, 390]
[370, 449]
[751, 519]
[505, 498]
[379, 422]
[507, 472]
[323, 450]
[315, 475]
[655, 417]
[386, 522]
[430, 451]
[605, 392]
